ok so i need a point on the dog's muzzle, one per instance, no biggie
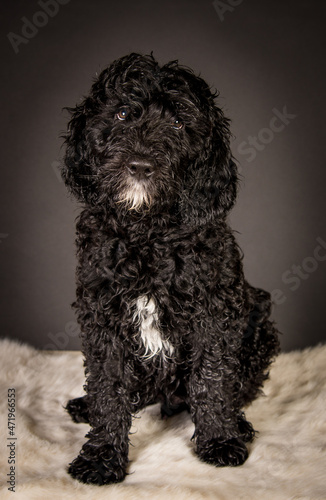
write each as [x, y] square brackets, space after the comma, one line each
[138, 191]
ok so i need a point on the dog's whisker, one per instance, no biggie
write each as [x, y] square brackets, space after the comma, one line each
[87, 175]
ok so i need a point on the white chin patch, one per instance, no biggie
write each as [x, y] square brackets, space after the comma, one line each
[135, 196]
[146, 318]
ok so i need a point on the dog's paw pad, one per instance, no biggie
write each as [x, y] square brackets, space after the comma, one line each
[232, 452]
[95, 471]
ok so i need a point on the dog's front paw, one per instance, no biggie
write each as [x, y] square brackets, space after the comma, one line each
[96, 470]
[232, 452]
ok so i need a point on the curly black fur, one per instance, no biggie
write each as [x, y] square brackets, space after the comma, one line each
[165, 312]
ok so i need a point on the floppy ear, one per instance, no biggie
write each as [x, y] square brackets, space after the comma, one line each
[78, 170]
[210, 186]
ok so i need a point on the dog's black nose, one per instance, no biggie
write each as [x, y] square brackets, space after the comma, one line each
[140, 168]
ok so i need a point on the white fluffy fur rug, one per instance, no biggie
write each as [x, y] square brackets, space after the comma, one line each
[287, 460]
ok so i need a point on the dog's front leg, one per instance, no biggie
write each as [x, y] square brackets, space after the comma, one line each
[220, 427]
[104, 457]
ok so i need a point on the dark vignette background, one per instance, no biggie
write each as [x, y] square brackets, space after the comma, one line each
[265, 58]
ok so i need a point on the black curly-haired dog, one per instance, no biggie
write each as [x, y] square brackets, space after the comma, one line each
[165, 312]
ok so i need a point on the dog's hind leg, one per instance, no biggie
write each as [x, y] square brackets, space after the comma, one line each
[260, 345]
[78, 410]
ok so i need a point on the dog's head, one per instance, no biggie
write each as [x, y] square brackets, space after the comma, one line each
[150, 137]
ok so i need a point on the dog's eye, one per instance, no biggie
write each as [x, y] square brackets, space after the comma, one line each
[177, 124]
[122, 113]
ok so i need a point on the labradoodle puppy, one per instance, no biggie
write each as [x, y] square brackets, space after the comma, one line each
[165, 312]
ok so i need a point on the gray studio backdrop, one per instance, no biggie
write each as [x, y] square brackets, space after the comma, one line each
[265, 58]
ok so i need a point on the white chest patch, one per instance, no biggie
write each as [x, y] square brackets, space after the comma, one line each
[147, 318]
